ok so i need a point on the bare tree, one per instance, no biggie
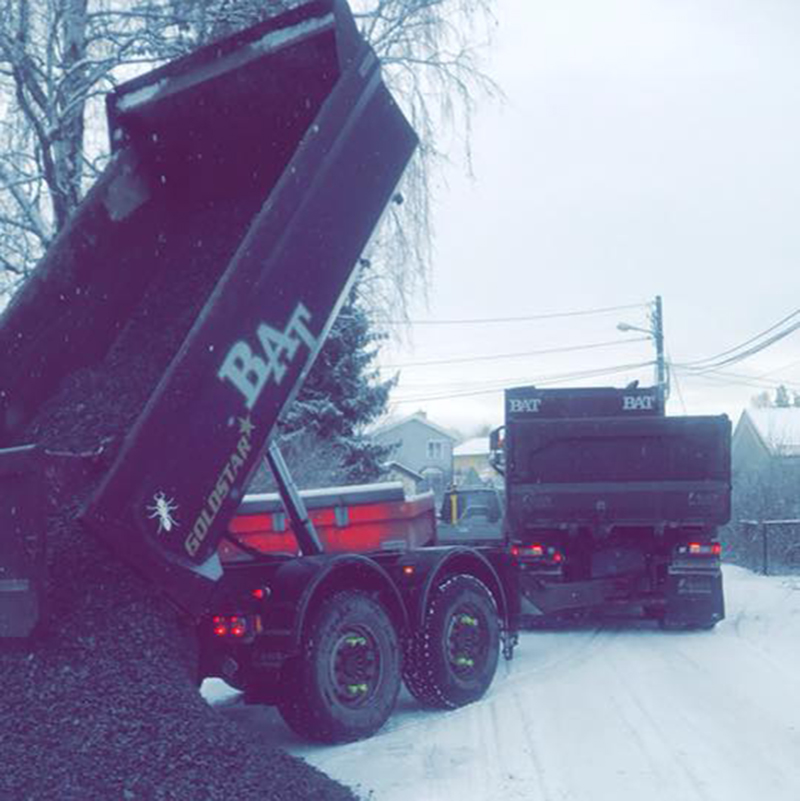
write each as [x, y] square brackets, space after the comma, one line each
[58, 57]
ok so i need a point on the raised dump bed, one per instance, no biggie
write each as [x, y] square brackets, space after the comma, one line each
[178, 312]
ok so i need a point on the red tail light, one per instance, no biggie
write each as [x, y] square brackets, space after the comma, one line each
[537, 551]
[700, 549]
[234, 626]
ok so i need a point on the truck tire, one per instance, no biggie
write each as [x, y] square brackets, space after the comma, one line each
[451, 660]
[344, 684]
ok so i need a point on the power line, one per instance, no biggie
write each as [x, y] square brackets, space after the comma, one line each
[523, 319]
[537, 381]
[748, 341]
[494, 356]
[745, 354]
[725, 378]
[674, 375]
[780, 369]
[720, 359]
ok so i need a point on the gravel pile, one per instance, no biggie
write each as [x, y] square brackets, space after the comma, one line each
[104, 704]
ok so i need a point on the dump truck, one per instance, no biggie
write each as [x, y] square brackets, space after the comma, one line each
[162, 335]
[608, 507]
[613, 507]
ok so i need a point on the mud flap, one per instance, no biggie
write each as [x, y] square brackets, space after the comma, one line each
[694, 597]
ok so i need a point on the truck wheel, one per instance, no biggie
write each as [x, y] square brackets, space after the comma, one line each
[452, 659]
[345, 683]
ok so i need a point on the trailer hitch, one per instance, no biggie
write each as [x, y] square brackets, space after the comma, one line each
[509, 641]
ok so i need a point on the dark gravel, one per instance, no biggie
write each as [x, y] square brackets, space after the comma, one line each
[103, 704]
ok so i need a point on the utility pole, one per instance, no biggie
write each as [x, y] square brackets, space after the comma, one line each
[658, 338]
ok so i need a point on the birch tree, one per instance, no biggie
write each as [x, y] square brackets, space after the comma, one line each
[59, 57]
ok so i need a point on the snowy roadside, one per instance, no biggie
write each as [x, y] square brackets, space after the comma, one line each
[611, 712]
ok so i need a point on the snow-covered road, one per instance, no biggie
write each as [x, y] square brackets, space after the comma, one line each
[616, 712]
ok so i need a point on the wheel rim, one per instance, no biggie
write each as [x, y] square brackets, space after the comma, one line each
[355, 666]
[467, 641]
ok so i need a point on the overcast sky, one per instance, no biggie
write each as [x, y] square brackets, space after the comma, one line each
[645, 147]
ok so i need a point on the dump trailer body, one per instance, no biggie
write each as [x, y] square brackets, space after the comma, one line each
[634, 471]
[246, 180]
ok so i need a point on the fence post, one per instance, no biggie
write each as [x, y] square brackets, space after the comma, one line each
[765, 547]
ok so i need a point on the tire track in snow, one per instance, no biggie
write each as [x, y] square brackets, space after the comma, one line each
[410, 715]
[533, 751]
[704, 716]
[696, 783]
[509, 715]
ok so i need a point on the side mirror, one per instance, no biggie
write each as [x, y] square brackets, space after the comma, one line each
[497, 449]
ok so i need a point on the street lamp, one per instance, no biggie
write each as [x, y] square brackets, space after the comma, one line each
[657, 335]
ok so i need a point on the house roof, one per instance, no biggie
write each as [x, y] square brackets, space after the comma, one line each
[419, 417]
[477, 446]
[778, 428]
[401, 468]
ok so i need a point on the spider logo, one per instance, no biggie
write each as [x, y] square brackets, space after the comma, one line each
[162, 510]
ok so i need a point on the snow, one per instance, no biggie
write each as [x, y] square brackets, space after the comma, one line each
[477, 446]
[140, 96]
[600, 713]
[273, 40]
[778, 427]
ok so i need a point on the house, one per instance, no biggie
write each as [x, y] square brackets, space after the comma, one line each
[765, 463]
[421, 446]
[764, 435]
[412, 481]
[471, 465]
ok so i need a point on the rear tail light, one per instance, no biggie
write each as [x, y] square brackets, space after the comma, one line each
[235, 627]
[700, 549]
[537, 551]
